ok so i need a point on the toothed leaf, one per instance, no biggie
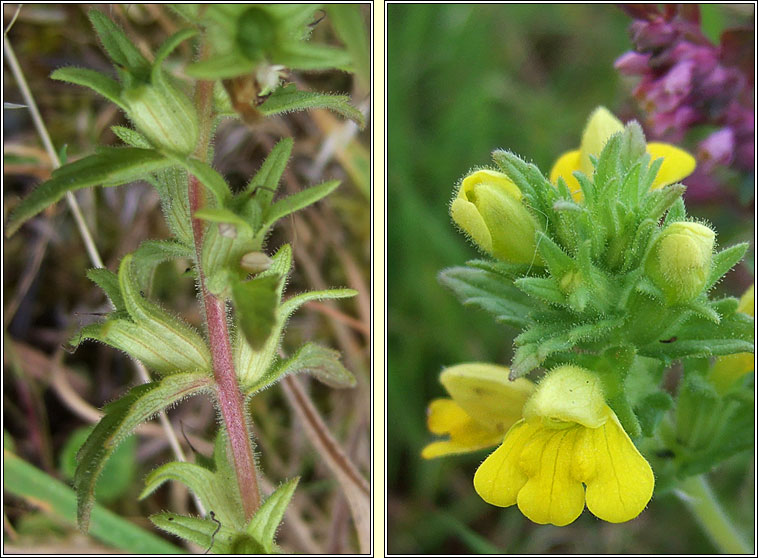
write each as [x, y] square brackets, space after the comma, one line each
[119, 421]
[266, 180]
[295, 202]
[322, 363]
[491, 292]
[289, 99]
[111, 168]
[263, 525]
[103, 85]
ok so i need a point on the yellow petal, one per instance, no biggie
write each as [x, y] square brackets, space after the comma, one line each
[486, 394]
[487, 176]
[466, 435]
[552, 494]
[730, 368]
[622, 483]
[499, 479]
[443, 448]
[677, 163]
[571, 394]
[467, 217]
[747, 302]
[444, 415]
[600, 127]
[565, 167]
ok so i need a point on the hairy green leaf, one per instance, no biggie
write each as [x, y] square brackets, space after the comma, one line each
[263, 525]
[676, 212]
[221, 66]
[295, 302]
[208, 177]
[171, 184]
[113, 167]
[175, 344]
[311, 56]
[216, 488]
[205, 533]
[119, 472]
[491, 292]
[289, 99]
[222, 215]
[297, 201]
[322, 363]
[542, 287]
[255, 302]
[153, 252]
[131, 137]
[121, 418]
[266, 180]
[118, 46]
[103, 85]
[725, 260]
[701, 337]
[554, 257]
[169, 45]
[658, 201]
[108, 281]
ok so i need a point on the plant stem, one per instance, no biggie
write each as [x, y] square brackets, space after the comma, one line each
[229, 396]
[701, 501]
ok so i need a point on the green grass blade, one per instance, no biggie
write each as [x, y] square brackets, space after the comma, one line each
[26, 481]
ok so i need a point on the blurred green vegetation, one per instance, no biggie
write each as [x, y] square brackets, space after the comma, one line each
[463, 80]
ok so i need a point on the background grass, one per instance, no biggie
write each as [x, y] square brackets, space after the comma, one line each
[463, 80]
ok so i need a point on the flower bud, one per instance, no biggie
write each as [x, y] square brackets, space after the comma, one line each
[490, 210]
[164, 115]
[680, 261]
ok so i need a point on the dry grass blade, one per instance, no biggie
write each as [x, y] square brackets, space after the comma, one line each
[354, 486]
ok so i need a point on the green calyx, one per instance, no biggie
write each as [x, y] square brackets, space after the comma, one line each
[164, 115]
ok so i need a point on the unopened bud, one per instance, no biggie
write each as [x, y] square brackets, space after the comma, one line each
[680, 261]
[164, 115]
[489, 208]
[255, 262]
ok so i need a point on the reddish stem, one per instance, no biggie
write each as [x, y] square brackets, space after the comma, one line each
[229, 396]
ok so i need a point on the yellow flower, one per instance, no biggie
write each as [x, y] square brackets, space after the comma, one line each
[568, 439]
[488, 207]
[484, 405]
[600, 127]
[730, 368]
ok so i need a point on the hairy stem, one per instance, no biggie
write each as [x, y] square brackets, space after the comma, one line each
[701, 501]
[229, 396]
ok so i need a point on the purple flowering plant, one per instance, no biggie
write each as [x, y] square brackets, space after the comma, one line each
[688, 81]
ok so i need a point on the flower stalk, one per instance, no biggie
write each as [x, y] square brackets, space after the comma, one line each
[697, 495]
